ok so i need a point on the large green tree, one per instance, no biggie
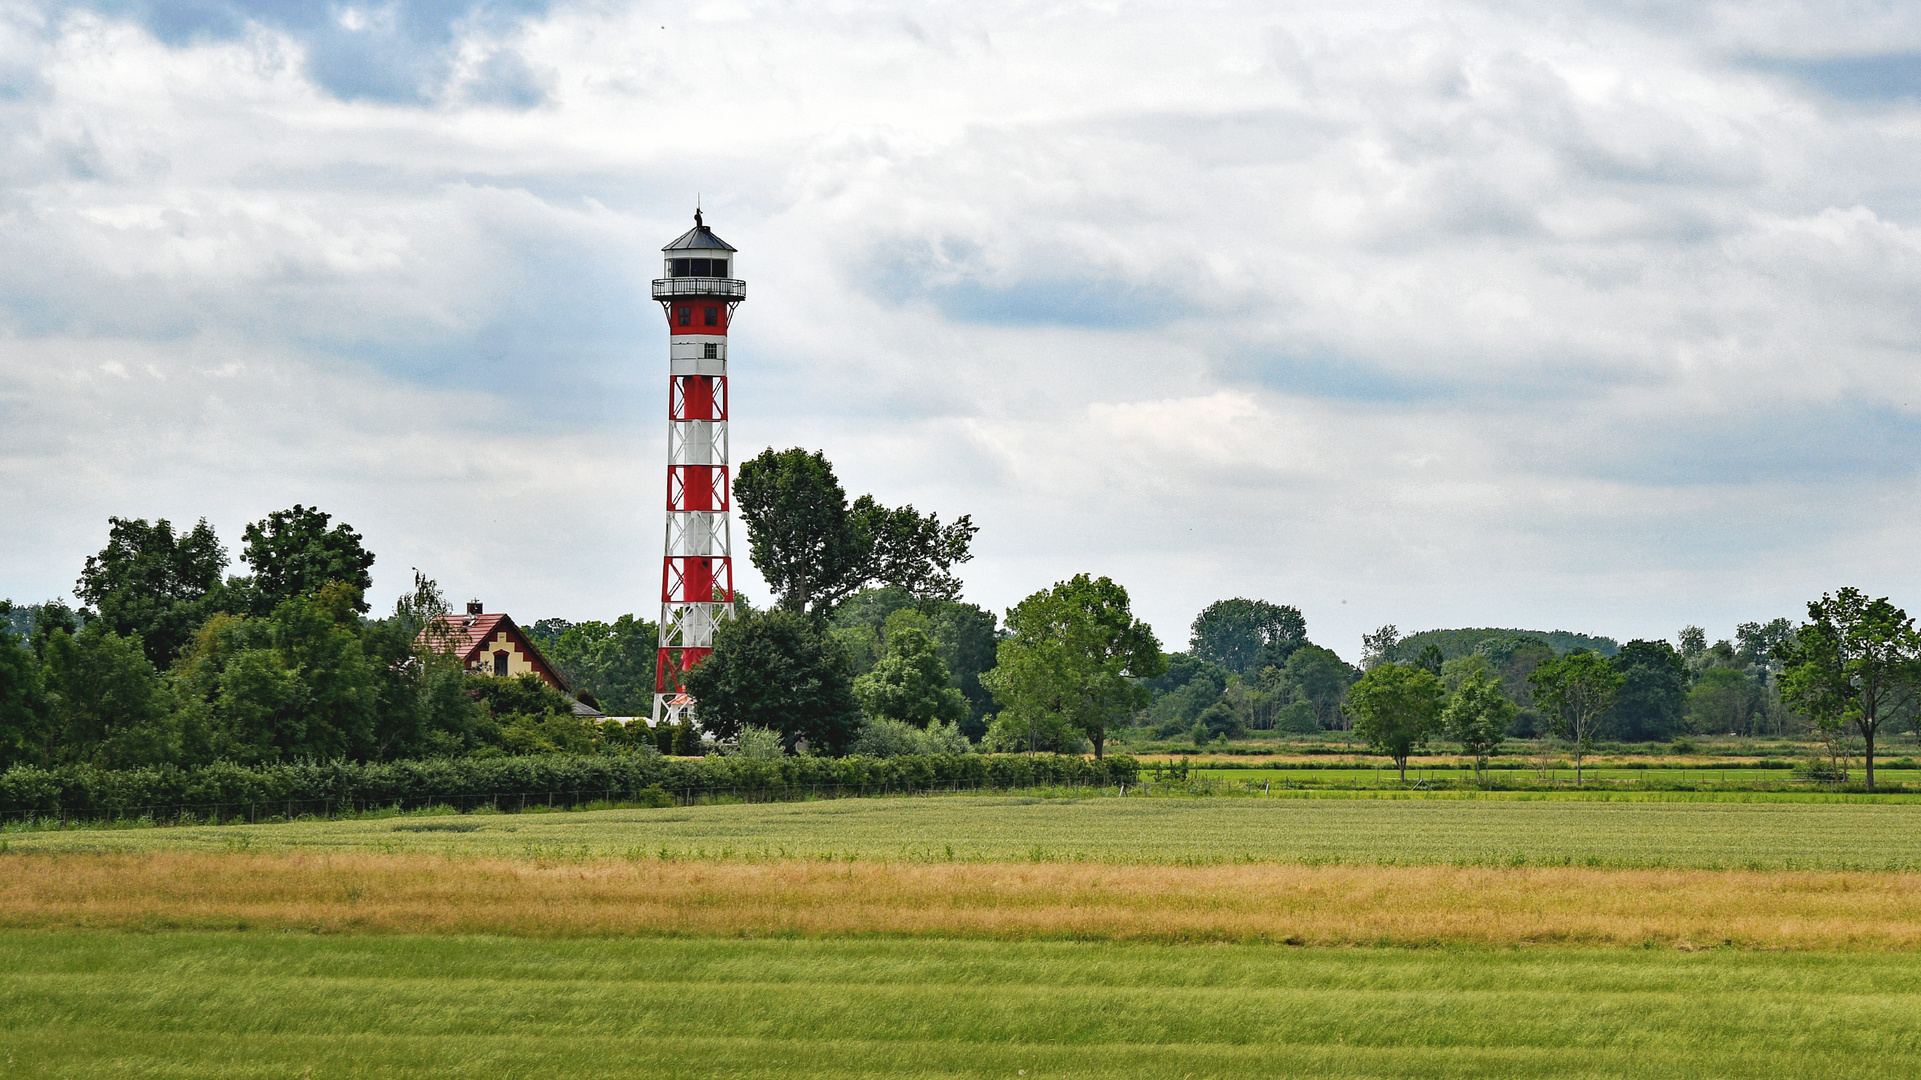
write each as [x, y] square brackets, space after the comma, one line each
[815, 551]
[1075, 656]
[1395, 707]
[1652, 703]
[155, 585]
[23, 704]
[294, 553]
[1576, 691]
[1855, 664]
[107, 703]
[298, 683]
[1242, 634]
[910, 683]
[1320, 678]
[778, 670]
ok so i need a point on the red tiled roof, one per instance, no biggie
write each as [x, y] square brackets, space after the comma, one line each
[471, 633]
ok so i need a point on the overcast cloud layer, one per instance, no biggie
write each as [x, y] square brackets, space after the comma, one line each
[1437, 314]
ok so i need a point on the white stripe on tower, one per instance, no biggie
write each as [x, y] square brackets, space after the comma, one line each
[699, 293]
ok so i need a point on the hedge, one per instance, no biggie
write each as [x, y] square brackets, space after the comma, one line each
[564, 778]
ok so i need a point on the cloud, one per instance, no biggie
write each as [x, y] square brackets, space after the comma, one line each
[1435, 314]
[401, 51]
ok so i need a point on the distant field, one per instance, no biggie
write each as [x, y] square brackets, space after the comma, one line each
[239, 1005]
[1756, 832]
[1600, 775]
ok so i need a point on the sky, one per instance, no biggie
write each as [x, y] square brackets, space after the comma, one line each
[1599, 317]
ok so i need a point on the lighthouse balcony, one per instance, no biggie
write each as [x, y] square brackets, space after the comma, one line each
[725, 288]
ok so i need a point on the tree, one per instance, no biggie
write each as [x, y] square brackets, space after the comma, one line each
[1694, 641]
[612, 661]
[1725, 699]
[1074, 655]
[1576, 691]
[1321, 678]
[1757, 641]
[1237, 633]
[815, 551]
[778, 670]
[298, 683]
[23, 705]
[1477, 717]
[1394, 708]
[106, 701]
[1378, 647]
[154, 585]
[1653, 697]
[293, 553]
[1430, 659]
[1854, 664]
[910, 684]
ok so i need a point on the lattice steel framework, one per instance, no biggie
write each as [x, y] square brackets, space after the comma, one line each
[698, 294]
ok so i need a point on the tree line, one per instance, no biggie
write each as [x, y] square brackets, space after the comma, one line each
[865, 647]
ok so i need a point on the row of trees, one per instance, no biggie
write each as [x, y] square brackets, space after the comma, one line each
[866, 645]
[1851, 670]
[170, 661]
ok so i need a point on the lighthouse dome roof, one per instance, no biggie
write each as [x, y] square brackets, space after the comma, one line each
[700, 237]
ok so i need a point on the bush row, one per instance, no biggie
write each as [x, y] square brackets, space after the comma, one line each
[571, 778]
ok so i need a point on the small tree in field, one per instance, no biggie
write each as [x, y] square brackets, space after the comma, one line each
[1478, 717]
[1394, 708]
[1577, 690]
[1856, 664]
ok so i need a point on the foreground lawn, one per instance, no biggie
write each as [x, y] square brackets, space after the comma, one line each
[86, 1004]
[1751, 832]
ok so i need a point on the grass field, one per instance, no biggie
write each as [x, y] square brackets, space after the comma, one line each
[1260, 902]
[1450, 934]
[1753, 832]
[238, 1006]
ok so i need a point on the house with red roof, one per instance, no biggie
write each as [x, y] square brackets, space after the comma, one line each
[493, 645]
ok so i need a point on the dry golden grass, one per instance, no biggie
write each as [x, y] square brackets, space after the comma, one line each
[1257, 902]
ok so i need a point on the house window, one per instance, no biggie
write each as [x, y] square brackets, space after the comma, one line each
[686, 316]
[712, 351]
[713, 316]
[500, 663]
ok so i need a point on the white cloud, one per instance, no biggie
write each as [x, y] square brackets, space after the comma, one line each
[1433, 314]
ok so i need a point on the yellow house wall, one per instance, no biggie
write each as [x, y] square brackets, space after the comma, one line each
[518, 662]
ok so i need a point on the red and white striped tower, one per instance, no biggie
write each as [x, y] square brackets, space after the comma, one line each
[699, 292]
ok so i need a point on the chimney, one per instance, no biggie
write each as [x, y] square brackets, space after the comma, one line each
[473, 607]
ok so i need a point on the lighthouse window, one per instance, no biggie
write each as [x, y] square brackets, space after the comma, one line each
[713, 316]
[720, 267]
[685, 316]
[680, 267]
[711, 352]
[703, 267]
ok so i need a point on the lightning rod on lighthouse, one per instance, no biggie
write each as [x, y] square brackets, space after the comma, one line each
[699, 292]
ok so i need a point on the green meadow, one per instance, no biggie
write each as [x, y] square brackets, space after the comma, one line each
[1752, 831]
[240, 1005]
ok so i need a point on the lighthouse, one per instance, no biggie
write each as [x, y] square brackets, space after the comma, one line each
[699, 289]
